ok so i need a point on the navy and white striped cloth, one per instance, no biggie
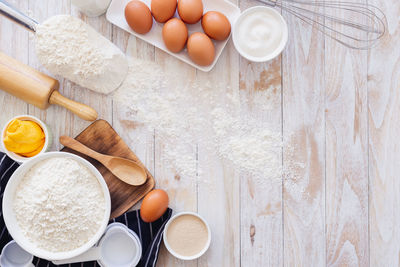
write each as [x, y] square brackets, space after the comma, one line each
[150, 234]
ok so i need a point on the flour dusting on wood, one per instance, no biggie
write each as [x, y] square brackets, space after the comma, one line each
[185, 115]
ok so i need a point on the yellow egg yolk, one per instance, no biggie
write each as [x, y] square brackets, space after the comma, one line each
[24, 137]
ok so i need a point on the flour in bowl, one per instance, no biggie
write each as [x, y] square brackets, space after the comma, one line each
[59, 204]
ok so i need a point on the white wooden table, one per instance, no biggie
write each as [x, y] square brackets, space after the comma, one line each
[339, 108]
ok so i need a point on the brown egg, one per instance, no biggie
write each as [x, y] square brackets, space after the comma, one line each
[190, 11]
[175, 34]
[154, 204]
[216, 25]
[163, 10]
[201, 49]
[138, 16]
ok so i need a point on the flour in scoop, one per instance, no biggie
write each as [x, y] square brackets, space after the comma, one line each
[69, 47]
[59, 204]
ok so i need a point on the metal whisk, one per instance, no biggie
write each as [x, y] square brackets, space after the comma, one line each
[355, 25]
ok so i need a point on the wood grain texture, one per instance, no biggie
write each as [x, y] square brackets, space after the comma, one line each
[140, 141]
[338, 111]
[101, 137]
[304, 151]
[13, 42]
[221, 191]
[346, 156]
[182, 190]
[261, 199]
[384, 146]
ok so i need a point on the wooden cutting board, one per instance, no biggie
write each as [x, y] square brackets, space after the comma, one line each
[101, 137]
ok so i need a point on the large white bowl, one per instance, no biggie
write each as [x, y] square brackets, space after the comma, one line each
[11, 221]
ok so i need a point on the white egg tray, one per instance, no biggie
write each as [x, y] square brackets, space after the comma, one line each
[116, 15]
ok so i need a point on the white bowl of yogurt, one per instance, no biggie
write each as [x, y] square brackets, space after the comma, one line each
[187, 236]
[260, 34]
[56, 206]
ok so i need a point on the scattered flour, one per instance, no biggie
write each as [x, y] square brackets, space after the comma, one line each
[69, 47]
[186, 115]
[59, 204]
[149, 102]
[253, 149]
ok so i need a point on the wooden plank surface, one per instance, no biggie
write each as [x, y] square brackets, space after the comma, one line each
[303, 106]
[181, 189]
[384, 150]
[337, 111]
[346, 140]
[221, 191]
[14, 42]
[261, 202]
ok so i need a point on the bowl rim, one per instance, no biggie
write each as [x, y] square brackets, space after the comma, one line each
[13, 227]
[121, 227]
[277, 51]
[3, 256]
[42, 125]
[177, 255]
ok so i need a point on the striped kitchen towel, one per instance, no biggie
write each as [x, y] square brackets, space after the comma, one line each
[150, 234]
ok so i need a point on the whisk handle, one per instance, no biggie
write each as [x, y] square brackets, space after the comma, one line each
[12, 13]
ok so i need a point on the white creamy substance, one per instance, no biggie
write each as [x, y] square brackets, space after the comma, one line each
[59, 204]
[259, 33]
[69, 47]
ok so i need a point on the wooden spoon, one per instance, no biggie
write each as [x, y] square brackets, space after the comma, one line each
[126, 170]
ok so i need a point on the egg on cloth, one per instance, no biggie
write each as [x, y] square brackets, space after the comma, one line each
[138, 16]
[201, 49]
[216, 25]
[163, 10]
[175, 35]
[190, 11]
[154, 205]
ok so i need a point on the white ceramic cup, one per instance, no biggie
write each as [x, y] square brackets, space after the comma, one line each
[119, 246]
[177, 255]
[274, 53]
[47, 143]
[13, 255]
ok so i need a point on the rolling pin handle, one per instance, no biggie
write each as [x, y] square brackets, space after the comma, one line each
[81, 110]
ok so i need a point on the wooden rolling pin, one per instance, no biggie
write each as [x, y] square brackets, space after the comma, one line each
[37, 88]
